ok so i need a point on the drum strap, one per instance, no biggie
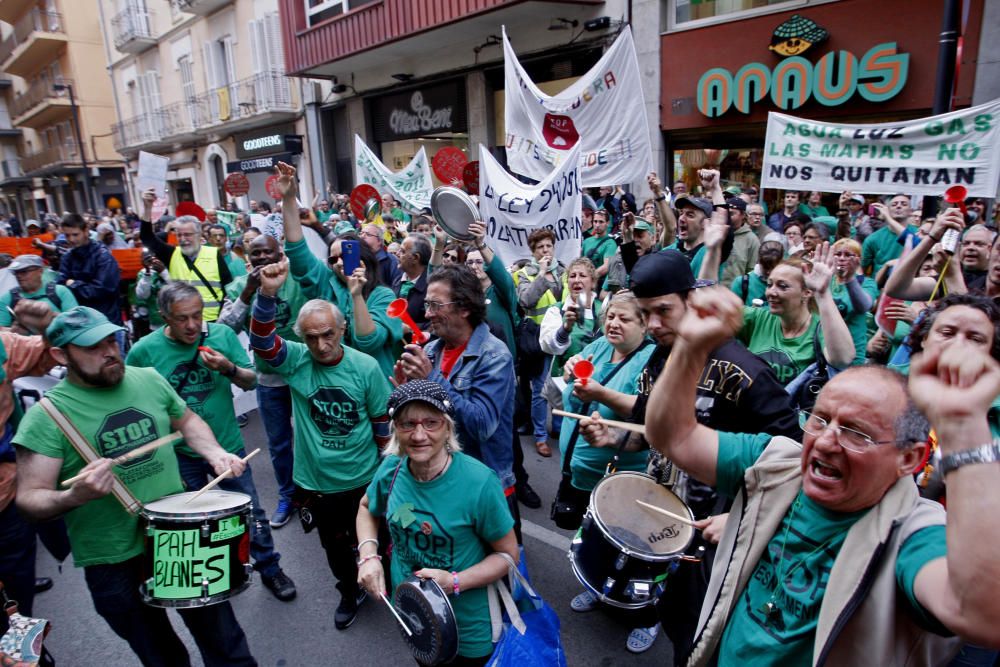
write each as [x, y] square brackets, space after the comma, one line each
[89, 454]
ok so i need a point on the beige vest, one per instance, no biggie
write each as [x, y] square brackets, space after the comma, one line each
[863, 618]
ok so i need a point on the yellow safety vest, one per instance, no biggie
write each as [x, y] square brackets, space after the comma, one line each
[207, 262]
[548, 299]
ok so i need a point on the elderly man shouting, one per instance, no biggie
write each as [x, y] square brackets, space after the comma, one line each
[829, 555]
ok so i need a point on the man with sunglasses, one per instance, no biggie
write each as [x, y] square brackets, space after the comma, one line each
[829, 555]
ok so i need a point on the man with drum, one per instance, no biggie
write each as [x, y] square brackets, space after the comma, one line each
[201, 362]
[829, 555]
[339, 400]
[117, 409]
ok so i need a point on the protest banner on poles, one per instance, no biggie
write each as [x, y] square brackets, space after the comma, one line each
[603, 113]
[916, 157]
[411, 186]
[512, 209]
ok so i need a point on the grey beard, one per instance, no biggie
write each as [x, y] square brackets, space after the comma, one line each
[191, 251]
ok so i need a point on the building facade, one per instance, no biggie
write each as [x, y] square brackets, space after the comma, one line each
[202, 82]
[57, 152]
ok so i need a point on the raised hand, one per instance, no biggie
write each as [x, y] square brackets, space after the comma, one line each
[819, 271]
[716, 229]
[273, 276]
[950, 218]
[357, 280]
[954, 385]
[478, 231]
[709, 179]
[713, 316]
[654, 183]
[627, 227]
[286, 184]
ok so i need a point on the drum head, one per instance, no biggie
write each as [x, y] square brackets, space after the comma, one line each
[209, 503]
[429, 616]
[635, 527]
[454, 211]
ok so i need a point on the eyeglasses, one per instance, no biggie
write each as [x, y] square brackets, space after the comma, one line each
[431, 306]
[374, 236]
[430, 424]
[474, 262]
[848, 438]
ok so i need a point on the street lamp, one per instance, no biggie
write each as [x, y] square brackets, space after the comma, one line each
[87, 190]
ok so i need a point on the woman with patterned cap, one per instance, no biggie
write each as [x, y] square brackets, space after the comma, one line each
[446, 512]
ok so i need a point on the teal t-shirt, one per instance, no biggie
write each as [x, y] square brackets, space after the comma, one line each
[762, 335]
[65, 295]
[856, 321]
[749, 287]
[288, 303]
[501, 302]
[699, 257]
[794, 569]
[333, 406]
[115, 420]
[879, 248]
[589, 464]
[447, 523]
[237, 267]
[208, 393]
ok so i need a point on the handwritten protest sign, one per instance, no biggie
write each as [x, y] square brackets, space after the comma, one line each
[411, 186]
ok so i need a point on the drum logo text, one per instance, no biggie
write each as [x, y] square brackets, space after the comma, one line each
[668, 533]
[181, 563]
[123, 431]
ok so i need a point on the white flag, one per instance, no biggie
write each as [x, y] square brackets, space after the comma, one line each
[411, 186]
[512, 210]
[603, 113]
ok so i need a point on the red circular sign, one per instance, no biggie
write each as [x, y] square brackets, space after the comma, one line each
[470, 176]
[360, 196]
[271, 185]
[448, 164]
[236, 184]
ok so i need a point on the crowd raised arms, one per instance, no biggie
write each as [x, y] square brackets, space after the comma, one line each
[760, 419]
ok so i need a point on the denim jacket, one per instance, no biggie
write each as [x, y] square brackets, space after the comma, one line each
[481, 387]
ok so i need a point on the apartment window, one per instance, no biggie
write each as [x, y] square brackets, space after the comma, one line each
[187, 77]
[265, 44]
[321, 10]
[683, 12]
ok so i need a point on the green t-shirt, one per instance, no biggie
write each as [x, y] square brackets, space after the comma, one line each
[856, 321]
[447, 523]
[115, 420]
[208, 393]
[762, 335]
[237, 267]
[589, 464]
[879, 248]
[333, 407]
[749, 287]
[65, 295]
[322, 216]
[699, 257]
[288, 303]
[149, 303]
[795, 569]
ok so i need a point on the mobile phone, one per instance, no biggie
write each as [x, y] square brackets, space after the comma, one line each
[350, 253]
[872, 211]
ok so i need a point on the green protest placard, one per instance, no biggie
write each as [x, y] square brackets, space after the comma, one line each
[181, 562]
[916, 157]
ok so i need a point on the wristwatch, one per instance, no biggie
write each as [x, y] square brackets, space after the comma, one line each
[988, 453]
[231, 373]
[661, 197]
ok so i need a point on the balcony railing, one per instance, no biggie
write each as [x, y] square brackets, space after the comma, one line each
[38, 92]
[199, 7]
[36, 20]
[133, 29]
[10, 169]
[50, 156]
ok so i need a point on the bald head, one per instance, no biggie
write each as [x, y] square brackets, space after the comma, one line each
[264, 250]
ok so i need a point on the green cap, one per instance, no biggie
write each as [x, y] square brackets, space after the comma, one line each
[80, 326]
[642, 225]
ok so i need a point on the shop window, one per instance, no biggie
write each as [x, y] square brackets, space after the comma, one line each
[699, 12]
[321, 10]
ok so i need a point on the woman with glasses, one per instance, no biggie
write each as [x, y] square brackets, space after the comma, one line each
[446, 513]
[853, 292]
[575, 322]
[785, 333]
[454, 253]
[498, 286]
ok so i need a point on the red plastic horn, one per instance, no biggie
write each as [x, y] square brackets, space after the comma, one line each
[398, 309]
[957, 194]
[582, 371]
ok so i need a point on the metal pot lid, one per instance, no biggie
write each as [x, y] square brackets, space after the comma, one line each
[431, 619]
[454, 211]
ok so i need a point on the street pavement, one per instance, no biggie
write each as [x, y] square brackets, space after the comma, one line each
[301, 632]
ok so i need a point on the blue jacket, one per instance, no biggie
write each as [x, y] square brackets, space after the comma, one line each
[481, 387]
[95, 276]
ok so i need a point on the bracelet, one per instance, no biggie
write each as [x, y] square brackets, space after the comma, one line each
[455, 588]
[362, 561]
[988, 453]
[231, 373]
[718, 206]
[366, 541]
[936, 240]
[661, 197]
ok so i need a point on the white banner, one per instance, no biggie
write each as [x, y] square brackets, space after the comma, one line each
[603, 112]
[512, 210]
[411, 186]
[915, 157]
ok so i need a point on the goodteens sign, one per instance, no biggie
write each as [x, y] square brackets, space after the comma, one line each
[919, 157]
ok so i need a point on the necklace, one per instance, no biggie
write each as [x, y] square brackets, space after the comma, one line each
[799, 329]
[770, 609]
[447, 464]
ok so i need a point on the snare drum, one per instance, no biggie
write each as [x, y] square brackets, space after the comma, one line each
[197, 554]
[624, 552]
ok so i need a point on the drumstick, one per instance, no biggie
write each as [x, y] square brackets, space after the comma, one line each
[409, 633]
[635, 428]
[229, 473]
[660, 510]
[138, 451]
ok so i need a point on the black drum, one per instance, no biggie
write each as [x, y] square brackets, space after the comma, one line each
[428, 614]
[624, 552]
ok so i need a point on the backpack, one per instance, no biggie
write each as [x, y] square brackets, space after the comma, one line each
[50, 294]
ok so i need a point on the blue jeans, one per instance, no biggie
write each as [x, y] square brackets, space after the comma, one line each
[195, 472]
[539, 406]
[275, 405]
[115, 591]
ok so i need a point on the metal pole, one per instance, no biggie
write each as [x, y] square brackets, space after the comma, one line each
[87, 190]
[944, 83]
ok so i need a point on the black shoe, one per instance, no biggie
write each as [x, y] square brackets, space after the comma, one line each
[242, 420]
[347, 610]
[527, 496]
[43, 584]
[280, 585]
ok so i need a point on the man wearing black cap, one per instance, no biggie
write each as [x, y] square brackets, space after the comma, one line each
[736, 389]
[743, 256]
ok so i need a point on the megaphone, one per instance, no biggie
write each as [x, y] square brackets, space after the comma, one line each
[397, 309]
[582, 371]
[956, 195]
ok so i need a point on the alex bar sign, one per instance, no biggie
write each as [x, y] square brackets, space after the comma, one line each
[877, 75]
